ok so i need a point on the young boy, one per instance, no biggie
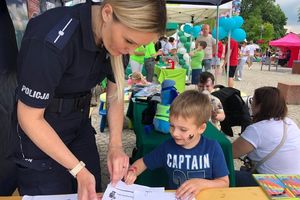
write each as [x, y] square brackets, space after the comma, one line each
[191, 161]
[206, 83]
[197, 57]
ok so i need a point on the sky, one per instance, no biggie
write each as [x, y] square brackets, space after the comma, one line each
[290, 8]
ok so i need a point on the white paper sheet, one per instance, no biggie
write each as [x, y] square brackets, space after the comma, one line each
[51, 197]
[123, 191]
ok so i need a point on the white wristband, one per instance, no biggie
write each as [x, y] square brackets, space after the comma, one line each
[77, 169]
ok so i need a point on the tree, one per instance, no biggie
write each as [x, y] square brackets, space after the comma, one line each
[263, 11]
[299, 14]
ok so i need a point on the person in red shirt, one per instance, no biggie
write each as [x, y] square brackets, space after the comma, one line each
[233, 60]
[217, 58]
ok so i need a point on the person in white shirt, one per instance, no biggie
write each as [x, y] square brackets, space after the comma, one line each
[243, 56]
[261, 138]
[251, 48]
[210, 50]
[169, 46]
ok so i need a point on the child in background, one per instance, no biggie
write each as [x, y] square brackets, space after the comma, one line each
[173, 56]
[197, 56]
[191, 161]
[137, 78]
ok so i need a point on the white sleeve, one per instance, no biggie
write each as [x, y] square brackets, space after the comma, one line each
[214, 41]
[251, 135]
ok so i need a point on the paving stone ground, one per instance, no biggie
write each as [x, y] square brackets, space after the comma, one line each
[252, 79]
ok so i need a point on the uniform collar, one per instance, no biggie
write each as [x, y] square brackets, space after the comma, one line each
[86, 27]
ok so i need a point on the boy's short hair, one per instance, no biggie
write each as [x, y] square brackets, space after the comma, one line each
[203, 44]
[171, 39]
[204, 76]
[192, 104]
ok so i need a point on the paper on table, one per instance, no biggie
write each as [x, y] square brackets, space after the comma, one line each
[154, 195]
[51, 197]
[123, 191]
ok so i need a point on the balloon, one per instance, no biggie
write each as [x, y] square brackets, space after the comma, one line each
[182, 50]
[181, 62]
[193, 45]
[180, 33]
[187, 34]
[229, 25]
[186, 57]
[187, 28]
[179, 45]
[196, 31]
[197, 28]
[180, 56]
[183, 39]
[222, 21]
[181, 27]
[187, 45]
[239, 21]
[239, 34]
[222, 33]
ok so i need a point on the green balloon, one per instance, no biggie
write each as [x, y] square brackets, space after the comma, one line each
[180, 56]
[187, 45]
[180, 33]
[183, 39]
[181, 62]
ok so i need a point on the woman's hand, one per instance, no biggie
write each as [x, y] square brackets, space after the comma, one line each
[190, 188]
[86, 185]
[117, 162]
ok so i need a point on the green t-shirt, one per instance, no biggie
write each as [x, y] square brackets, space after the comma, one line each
[197, 60]
[138, 59]
[149, 50]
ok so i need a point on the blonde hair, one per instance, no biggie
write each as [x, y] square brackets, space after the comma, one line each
[141, 15]
[192, 104]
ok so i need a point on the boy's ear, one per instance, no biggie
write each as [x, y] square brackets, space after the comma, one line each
[202, 128]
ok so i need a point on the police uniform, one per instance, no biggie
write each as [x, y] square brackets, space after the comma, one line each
[58, 65]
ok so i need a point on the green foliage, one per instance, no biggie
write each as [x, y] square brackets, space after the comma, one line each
[266, 14]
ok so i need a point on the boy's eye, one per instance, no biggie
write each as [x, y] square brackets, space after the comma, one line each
[183, 129]
[129, 42]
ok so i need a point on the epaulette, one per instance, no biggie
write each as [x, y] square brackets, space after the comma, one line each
[62, 32]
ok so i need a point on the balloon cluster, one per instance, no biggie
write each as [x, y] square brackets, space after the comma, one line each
[232, 24]
[186, 33]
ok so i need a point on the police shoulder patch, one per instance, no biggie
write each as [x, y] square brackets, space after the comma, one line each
[62, 32]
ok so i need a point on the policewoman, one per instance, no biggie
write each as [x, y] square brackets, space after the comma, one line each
[64, 53]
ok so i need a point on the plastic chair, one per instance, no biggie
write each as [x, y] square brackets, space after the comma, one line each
[103, 113]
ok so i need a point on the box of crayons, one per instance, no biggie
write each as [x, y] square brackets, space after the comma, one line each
[279, 186]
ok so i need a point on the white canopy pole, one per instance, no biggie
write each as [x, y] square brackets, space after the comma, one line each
[217, 41]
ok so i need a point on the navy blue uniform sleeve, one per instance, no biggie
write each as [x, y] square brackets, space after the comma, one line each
[219, 168]
[156, 158]
[40, 70]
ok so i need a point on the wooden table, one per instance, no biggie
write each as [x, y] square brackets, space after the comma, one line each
[238, 193]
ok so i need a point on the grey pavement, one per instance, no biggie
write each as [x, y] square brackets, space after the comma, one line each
[252, 79]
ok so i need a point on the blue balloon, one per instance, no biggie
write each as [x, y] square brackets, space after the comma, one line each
[222, 33]
[187, 28]
[239, 21]
[195, 32]
[229, 25]
[239, 34]
[197, 29]
[222, 21]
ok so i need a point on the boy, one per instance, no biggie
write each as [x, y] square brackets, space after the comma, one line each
[206, 83]
[191, 161]
[197, 57]
[173, 56]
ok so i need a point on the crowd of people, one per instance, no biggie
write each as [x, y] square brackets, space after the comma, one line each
[67, 51]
